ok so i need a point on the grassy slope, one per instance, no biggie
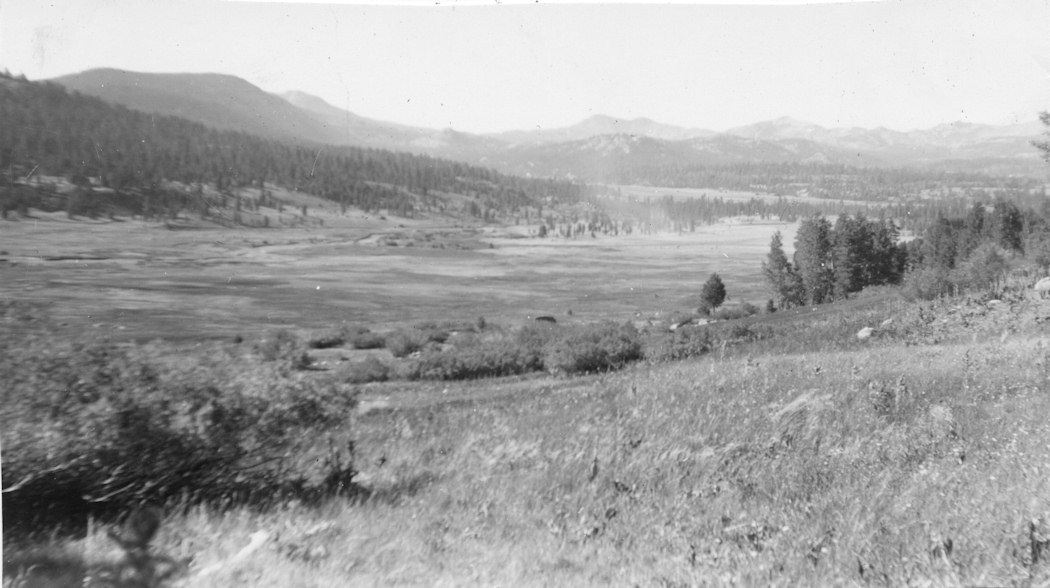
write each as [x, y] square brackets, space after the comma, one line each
[890, 464]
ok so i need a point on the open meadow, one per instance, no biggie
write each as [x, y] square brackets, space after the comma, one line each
[131, 280]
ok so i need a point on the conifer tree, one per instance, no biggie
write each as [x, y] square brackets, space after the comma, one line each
[783, 281]
[713, 293]
[813, 259]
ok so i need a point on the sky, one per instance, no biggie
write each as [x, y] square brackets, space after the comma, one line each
[494, 66]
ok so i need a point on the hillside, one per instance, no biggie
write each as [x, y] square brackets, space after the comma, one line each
[217, 101]
[119, 155]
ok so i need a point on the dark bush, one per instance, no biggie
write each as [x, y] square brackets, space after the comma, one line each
[594, 348]
[326, 341]
[367, 340]
[370, 369]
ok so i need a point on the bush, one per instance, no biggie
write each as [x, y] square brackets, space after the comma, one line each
[326, 341]
[927, 283]
[370, 369]
[114, 427]
[367, 340]
[727, 314]
[405, 342]
[740, 333]
[985, 268]
[683, 344]
[285, 347]
[482, 360]
[534, 339]
[594, 349]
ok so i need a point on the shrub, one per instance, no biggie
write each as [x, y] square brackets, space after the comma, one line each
[985, 268]
[594, 349]
[683, 344]
[403, 343]
[927, 283]
[500, 358]
[343, 335]
[534, 339]
[285, 347]
[326, 341]
[370, 369]
[367, 340]
[113, 427]
[728, 314]
[738, 333]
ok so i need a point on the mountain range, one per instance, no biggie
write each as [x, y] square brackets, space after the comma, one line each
[583, 150]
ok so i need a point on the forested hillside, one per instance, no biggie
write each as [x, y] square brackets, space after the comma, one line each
[51, 132]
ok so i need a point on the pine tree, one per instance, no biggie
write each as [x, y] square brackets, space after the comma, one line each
[1007, 225]
[887, 257]
[848, 256]
[713, 293]
[781, 277]
[813, 259]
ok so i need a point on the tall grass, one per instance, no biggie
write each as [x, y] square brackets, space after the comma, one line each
[888, 462]
[92, 427]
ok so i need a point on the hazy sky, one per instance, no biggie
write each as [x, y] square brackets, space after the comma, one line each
[499, 66]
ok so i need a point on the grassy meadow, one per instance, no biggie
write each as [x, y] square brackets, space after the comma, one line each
[130, 280]
[790, 454]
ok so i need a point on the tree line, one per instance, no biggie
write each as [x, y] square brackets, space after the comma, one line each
[832, 261]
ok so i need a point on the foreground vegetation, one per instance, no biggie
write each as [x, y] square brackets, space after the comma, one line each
[802, 457]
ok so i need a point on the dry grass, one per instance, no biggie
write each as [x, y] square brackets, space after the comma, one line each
[892, 465]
